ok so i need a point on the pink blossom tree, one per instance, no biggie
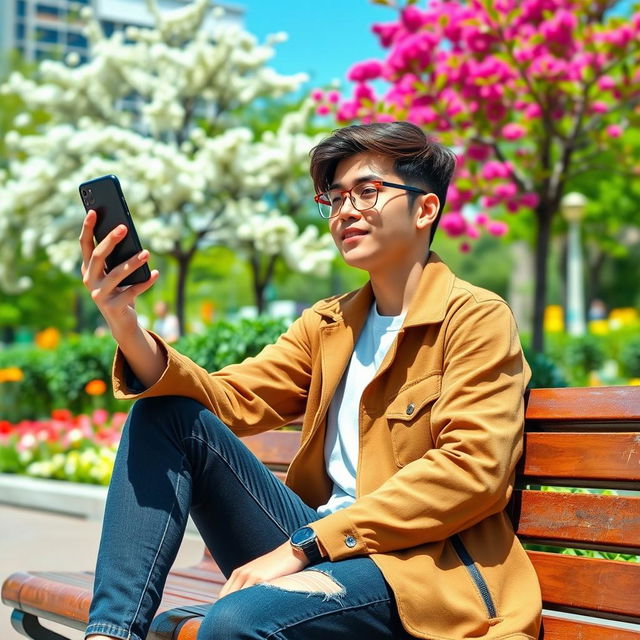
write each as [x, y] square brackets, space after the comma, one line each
[530, 93]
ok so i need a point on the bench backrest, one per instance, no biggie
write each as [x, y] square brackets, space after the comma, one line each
[586, 438]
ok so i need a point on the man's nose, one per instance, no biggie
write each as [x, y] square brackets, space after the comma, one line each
[347, 210]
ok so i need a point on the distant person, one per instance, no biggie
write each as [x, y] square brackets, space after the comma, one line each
[597, 310]
[166, 324]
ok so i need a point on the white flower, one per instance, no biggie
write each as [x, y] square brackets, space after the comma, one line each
[74, 435]
[187, 161]
[72, 59]
[27, 441]
[22, 120]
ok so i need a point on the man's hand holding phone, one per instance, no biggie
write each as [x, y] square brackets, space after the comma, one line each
[116, 303]
[115, 271]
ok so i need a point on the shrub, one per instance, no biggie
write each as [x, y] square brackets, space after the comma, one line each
[78, 361]
[544, 372]
[31, 396]
[583, 355]
[630, 358]
[58, 378]
[230, 342]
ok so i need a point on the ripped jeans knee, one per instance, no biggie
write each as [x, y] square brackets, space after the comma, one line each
[310, 581]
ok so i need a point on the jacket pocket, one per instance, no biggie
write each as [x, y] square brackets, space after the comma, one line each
[408, 415]
[476, 576]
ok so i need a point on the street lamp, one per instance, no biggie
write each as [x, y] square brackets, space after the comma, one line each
[573, 206]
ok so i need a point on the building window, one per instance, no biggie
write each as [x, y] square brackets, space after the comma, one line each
[77, 40]
[21, 30]
[48, 13]
[49, 36]
[108, 27]
[21, 8]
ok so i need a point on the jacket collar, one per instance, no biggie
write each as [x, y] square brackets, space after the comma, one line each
[427, 307]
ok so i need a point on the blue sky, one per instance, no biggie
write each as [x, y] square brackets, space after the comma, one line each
[325, 37]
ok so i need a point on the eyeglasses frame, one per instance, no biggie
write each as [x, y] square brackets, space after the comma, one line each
[376, 183]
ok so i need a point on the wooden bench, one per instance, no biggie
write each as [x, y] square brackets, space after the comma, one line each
[574, 438]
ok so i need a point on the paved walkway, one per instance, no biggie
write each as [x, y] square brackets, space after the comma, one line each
[41, 541]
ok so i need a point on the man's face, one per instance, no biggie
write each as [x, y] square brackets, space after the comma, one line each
[390, 234]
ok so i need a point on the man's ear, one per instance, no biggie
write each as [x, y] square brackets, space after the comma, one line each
[429, 208]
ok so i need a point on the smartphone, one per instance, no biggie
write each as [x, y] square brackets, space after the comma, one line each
[104, 195]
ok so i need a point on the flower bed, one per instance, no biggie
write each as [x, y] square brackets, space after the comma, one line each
[77, 448]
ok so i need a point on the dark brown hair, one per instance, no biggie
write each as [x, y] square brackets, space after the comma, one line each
[418, 160]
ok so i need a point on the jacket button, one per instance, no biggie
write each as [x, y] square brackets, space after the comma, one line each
[350, 541]
[411, 408]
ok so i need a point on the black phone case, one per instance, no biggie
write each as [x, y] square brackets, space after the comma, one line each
[105, 196]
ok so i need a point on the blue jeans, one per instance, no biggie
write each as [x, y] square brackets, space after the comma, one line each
[176, 457]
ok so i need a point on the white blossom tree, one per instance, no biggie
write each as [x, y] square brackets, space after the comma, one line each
[162, 109]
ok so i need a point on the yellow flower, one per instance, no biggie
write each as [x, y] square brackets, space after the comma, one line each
[48, 339]
[554, 318]
[622, 317]
[12, 374]
[599, 327]
[635, 382]
[95, 387]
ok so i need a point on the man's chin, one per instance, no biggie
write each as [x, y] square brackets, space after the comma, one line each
[356, 261]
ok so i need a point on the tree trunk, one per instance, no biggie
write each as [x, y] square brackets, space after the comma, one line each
[544, 215]
[261, 280]
[258, 294]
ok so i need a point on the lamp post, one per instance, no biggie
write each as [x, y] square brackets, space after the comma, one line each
[573, 206]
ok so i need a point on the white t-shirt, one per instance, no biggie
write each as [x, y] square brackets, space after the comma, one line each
[341, 440]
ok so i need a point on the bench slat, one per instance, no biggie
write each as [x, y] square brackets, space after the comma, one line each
[590, 456]
[568, 583]
[563, 629]
[274, 448]
[591, 404]
[569, 518]
[65, 597]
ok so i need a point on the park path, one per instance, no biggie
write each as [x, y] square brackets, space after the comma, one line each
[42, 541]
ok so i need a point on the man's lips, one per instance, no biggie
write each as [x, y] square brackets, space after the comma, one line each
[352, 231]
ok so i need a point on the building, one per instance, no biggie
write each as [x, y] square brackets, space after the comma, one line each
[41, 29]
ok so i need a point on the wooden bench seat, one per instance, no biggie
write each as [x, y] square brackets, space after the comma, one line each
[585, 438]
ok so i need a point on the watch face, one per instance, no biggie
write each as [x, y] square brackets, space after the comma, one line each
[300, 536]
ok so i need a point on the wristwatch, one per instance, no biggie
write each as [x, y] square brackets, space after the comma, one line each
[305, 540]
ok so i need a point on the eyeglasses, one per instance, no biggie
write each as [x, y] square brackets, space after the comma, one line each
[363, 196]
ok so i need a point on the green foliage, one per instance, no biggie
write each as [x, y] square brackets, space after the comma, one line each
[79, 360]
[545, 373]
[31, 397]
[229, 342]
[56, 379]
[489, 265]
[50, 300]
[584, 354]
[630, 358]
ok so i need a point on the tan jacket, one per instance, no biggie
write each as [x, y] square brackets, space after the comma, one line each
[440, 434]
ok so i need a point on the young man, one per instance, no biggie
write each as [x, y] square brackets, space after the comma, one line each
[391, 523]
